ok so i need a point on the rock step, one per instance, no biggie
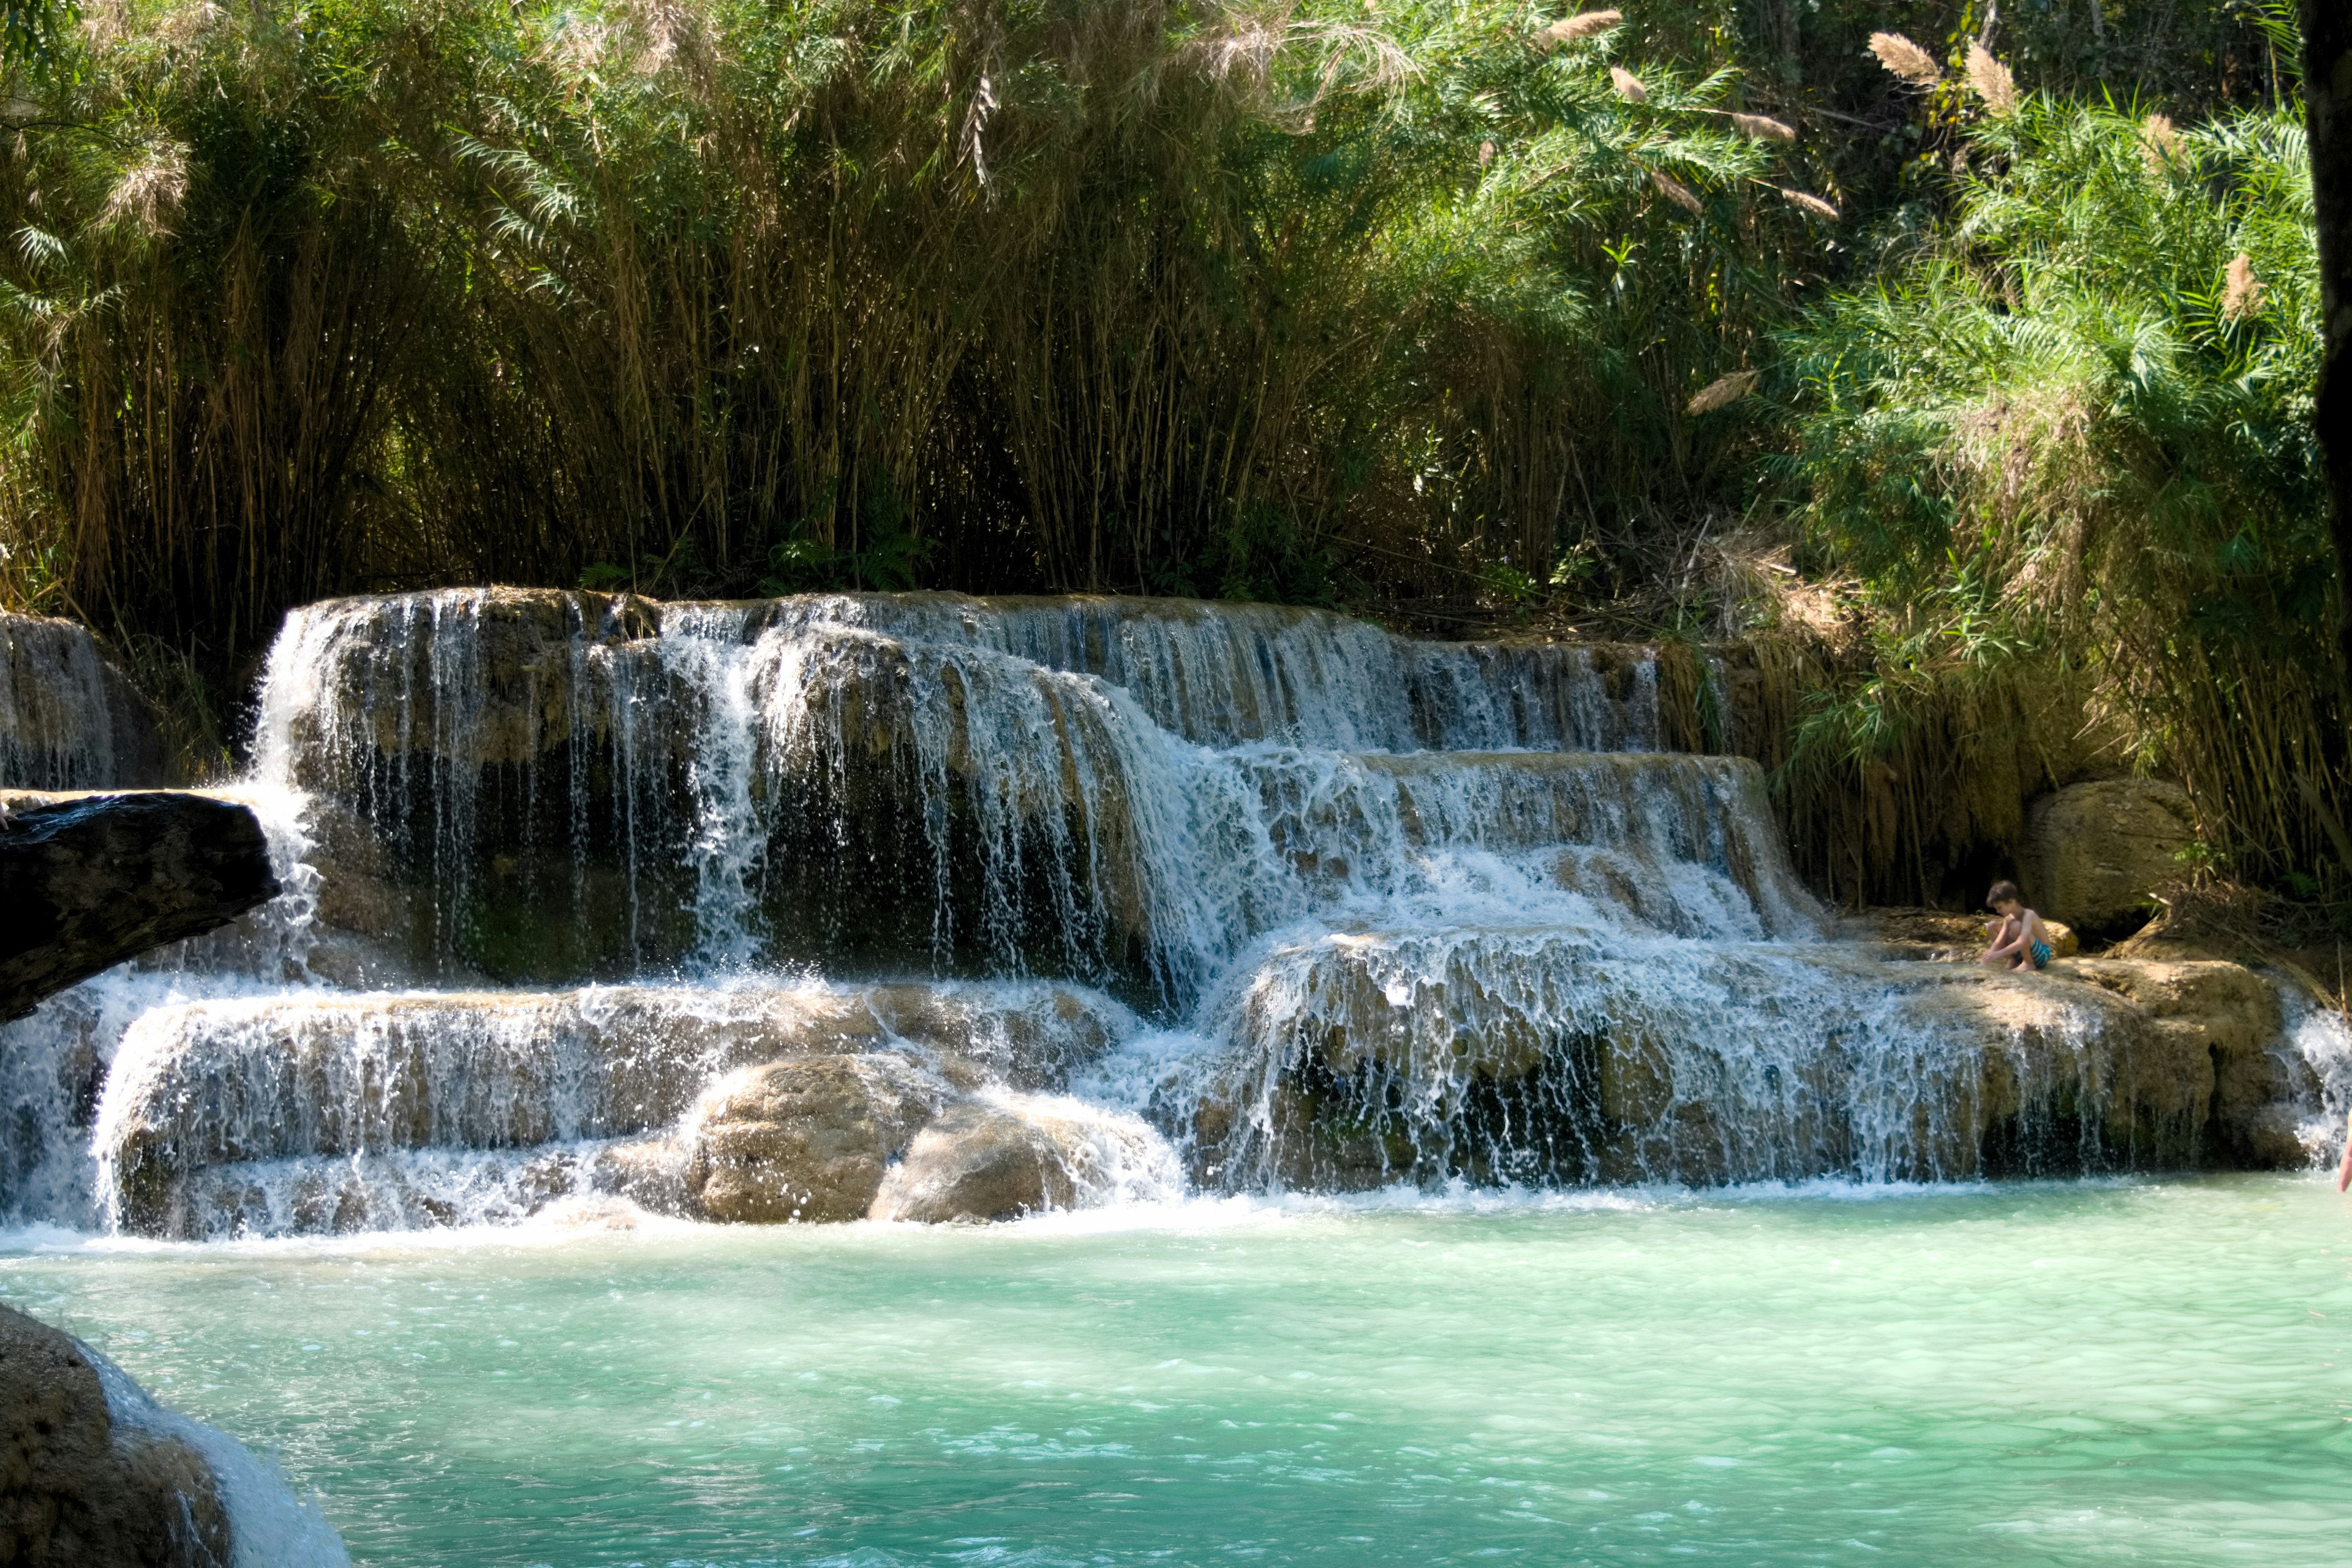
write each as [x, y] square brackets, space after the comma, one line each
[87, 880]
[216, 1112]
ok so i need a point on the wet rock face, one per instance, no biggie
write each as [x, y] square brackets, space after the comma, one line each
[75, 1491]
[531, 787]
[807, 1141]
[527, 787]
[68, 720]
[2228, 1019]
[979, 1163]
[88, 881]
[2095, 851]
[287, 1114]
[1374, 1061]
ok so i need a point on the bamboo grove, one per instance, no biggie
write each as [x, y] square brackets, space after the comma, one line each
[1095, 295]
[1462, 312]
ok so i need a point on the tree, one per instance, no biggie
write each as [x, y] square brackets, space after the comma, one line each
[2327, 103]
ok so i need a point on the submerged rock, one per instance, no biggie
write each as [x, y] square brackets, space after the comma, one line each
[77, 1491]
[2094, 852]
[87, 881]
[808, 1140]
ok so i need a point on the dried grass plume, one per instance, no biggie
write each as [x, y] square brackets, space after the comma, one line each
[1675, 191]
[1810, 203]
[2242, 292]
[147, 195]
[1991, 81]
[1721, 391]
[1583, 24]
[1906, 60]
[2159, 144]
[1764, 128]
[1629, 85]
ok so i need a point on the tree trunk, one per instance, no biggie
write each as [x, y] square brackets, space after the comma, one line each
[2327, 98]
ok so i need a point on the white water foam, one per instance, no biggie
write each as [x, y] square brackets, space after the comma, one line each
[1392, 910]
[269, 1525]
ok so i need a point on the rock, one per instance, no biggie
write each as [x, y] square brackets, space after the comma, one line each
[806, 1139]
[652, 1173]
[1940, 936]
[77, 1491]
[201, 1089]
[978, 1163]
[2094, 852]
[68, 720]
[566, 732]
[2230, 1016]
[88, 881]
[1367, 1059]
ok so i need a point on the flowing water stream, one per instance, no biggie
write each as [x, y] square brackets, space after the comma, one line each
[1221, 913]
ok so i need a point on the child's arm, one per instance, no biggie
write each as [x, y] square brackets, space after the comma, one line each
[2344, 1171]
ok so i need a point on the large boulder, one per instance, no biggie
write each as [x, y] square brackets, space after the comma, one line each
[977, 1161]
[2207, 1035]
[87, 881]
[79, 1492]
[806, 1139]
[2095, 852]
[2231, 1017]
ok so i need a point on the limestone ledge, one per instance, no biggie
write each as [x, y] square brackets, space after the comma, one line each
[2212, 1025]
[793, 1099]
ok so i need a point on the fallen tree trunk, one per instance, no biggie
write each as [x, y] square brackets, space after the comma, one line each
[87, 881]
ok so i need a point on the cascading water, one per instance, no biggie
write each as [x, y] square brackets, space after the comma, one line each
[65, 716]
[1327, 906]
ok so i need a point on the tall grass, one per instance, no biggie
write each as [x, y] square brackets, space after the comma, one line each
[1293, 300]
[2066, 449]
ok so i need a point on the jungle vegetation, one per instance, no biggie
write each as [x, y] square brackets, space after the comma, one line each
[1957, 357]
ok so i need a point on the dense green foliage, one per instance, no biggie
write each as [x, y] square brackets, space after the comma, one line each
[2067, 441]
[1078, 293]
[1400, 305]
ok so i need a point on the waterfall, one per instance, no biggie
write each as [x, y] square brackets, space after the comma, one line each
[553, 786]
[1268, 896]
[271, 1113]
[58, 707]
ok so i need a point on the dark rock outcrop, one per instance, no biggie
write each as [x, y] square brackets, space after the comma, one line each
[88, 881]
[68, 720]
[77, 1491]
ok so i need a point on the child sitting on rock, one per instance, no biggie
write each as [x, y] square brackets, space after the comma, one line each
[2019, 938]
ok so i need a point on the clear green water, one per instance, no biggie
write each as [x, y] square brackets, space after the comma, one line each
[2145, 1374]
